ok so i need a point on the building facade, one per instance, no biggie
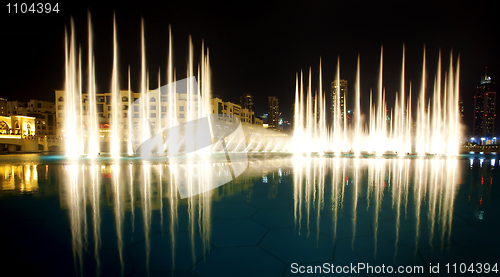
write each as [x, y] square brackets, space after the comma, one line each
[485, 109]
[273, 113]
[246, 101]
[339, 94]
[43, 112]
[157, 106]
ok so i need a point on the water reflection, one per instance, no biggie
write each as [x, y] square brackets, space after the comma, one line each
[18, 178]
[421, 189]
[389, 193]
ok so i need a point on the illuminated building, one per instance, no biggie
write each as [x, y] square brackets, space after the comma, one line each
[273, 112]
[342, 98]
[228, 108]
[484, 109]
[157, 110]
[246, 101]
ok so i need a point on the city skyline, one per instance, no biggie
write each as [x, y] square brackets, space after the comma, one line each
[259, 52]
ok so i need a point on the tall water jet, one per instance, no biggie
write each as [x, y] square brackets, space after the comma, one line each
[72, 92]
[143, 102]
[390, 130]
[357, 115]
[91, 109]
[130, 145]
[116, 100]
[421, 126]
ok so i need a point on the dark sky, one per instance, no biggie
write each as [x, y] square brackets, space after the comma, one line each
[259, 47]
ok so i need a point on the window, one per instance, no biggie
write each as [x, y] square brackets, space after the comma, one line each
[124, 115]
[124, 99]
[60, 99]
[136, 115]
[136, 108]
[164, 99]
[152, 108]
[152, 99]
[100, 99]
[163, 109]
[125, 107]
[181, 115]
[39, 105]
[163, 115]
[100, 108]
[109, 108]
[153, 115]
[181, 108]
[101, 115]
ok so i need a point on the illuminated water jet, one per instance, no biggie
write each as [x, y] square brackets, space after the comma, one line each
[436, 127]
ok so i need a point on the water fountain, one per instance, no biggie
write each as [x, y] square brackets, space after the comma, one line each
[84, 135]
[433, 128]
[437, 127]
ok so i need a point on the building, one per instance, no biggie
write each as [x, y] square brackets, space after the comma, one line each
[16, 108]
[461, 108]
[245, 115]
[17, 125]
[157, 110]
[339, 94]
[43, 112]
[485, 110]
[3, 106]
[246, 101]
[273, 113]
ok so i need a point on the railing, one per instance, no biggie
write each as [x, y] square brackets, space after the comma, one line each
[10, 136]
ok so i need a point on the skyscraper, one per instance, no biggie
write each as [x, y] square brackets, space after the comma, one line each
[273, 113]
[485, 109]
[342, 98]
[246, 101]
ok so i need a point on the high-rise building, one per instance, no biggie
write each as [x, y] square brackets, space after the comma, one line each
[273, 113]
[461, 108]
[340, 95]
[3, 106]
[484, 109]
[246, 101]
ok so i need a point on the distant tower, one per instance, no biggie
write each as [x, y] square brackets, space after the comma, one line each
[342, 98]
[484, 108]
[461, 108]
[246, 101]
[273, 112]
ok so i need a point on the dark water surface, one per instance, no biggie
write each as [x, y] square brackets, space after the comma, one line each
[284, 214]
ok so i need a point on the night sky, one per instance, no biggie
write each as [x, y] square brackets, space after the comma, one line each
[258, 48]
